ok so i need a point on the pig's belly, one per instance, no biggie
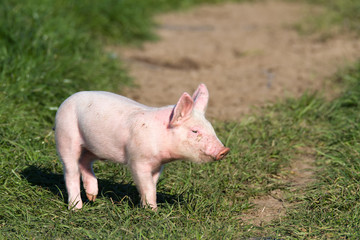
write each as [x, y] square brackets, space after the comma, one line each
[104, 151]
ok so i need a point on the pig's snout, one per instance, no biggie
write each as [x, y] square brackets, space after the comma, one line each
[222, 153]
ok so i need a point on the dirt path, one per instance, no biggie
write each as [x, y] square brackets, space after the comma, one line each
[248, 54]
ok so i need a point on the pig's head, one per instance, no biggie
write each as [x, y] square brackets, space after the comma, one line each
[193, 136]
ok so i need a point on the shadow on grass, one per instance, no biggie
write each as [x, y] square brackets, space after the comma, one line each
[116, 192]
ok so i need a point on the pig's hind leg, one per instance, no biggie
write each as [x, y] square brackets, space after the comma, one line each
[70, 155]
[88, 177]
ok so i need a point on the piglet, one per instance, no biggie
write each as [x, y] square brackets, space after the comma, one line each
[94, 125]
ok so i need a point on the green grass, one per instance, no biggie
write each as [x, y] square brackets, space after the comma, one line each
[50, 49]
[204, 201]
[338, 16]
[330, 208]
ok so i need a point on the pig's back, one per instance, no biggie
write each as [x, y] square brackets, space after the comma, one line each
[105, 99]
[98, 107]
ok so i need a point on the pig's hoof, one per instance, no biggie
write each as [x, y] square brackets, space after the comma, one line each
[91, 197]
[75, 208]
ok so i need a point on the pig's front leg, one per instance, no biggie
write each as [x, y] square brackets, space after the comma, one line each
[156, 173]
[144, 180]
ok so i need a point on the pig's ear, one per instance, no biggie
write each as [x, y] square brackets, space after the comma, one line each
[201, 98]
[182, 110]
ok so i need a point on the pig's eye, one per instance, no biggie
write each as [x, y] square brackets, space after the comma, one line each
[194, 131]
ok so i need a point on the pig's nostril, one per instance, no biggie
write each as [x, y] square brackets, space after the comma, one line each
[223, 153]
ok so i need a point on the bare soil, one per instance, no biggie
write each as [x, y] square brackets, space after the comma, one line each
[248, 54]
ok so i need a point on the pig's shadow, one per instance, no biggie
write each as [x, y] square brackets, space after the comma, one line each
[115, 191]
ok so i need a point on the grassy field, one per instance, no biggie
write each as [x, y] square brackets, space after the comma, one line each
[50, 49]
[338, 16]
